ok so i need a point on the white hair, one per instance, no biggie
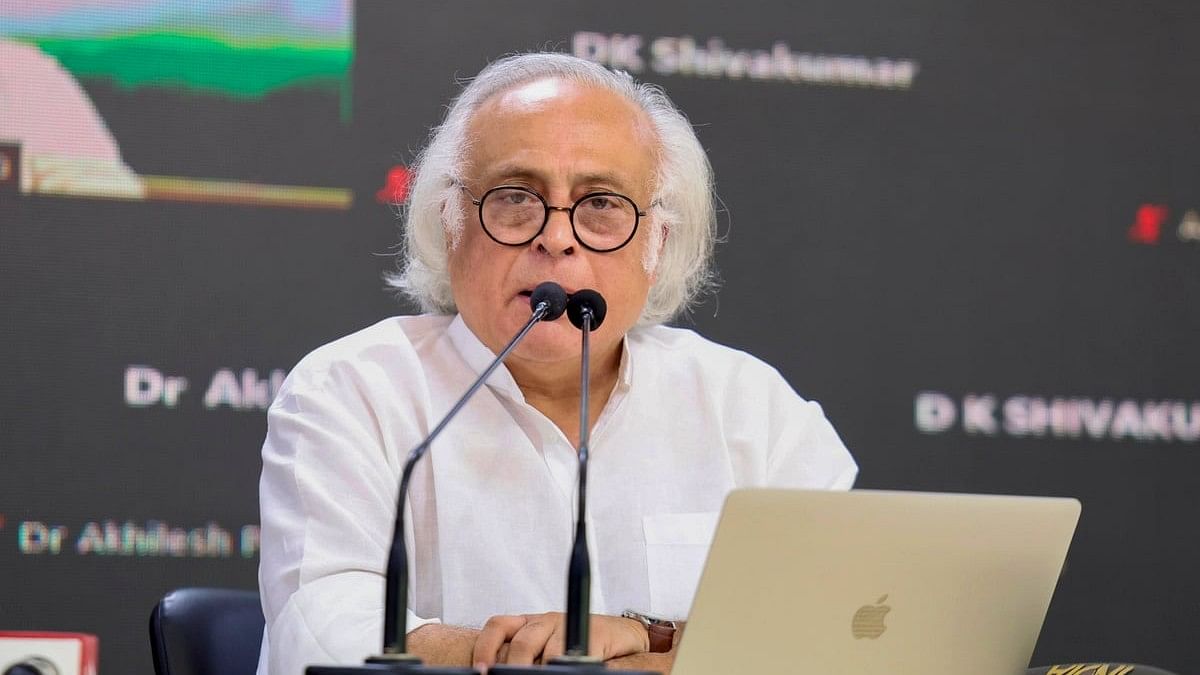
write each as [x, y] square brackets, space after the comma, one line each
[683, 201]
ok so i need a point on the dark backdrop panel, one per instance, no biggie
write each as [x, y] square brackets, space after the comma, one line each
[96, 287]
[965, 236]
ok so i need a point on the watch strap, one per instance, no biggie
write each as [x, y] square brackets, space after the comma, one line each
[661, 632]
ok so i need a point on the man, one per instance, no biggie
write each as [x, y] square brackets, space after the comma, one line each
[551, 168]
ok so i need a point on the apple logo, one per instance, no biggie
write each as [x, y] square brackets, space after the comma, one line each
[868, 620]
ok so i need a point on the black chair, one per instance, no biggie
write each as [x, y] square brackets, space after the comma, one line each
[1097, 668]
[206, 631]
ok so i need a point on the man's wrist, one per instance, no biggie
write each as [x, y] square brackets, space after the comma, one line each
[441, 645]
[660, 633]
[639, 629]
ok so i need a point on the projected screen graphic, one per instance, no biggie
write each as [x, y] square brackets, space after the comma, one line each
[117, 99]
[176, 185]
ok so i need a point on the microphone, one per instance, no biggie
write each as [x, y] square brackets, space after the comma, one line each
[548, 301]
[548, 296]
[587, 302]
[586, 309]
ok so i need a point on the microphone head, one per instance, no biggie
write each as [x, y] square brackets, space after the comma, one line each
[586, 299]
[553, 295]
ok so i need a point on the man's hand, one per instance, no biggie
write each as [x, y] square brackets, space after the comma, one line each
[658, 663]
[537, 638]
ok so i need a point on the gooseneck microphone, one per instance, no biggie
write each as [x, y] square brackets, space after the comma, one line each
[586, 310]
[548, 301]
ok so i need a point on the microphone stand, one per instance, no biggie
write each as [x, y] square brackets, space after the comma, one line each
[548, 301]
[579, 571]
[586, 310]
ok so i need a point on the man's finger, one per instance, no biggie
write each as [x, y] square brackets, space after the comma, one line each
[555, 645]
[497, 631]
[527, 645]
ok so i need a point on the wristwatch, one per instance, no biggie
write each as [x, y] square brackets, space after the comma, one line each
[661, 631]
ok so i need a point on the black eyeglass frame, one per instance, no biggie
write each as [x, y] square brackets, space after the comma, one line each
[570, 210]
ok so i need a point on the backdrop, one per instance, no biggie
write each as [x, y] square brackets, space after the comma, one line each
[969, 229]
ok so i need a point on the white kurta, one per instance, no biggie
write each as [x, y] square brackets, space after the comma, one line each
[492, 504]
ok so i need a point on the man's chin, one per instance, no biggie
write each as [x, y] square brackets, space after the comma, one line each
[551, 341]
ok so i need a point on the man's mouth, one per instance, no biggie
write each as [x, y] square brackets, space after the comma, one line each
[528, 292]
[525, 293]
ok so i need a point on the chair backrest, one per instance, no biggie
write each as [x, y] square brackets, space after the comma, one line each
[1096, 668]
[206, 631]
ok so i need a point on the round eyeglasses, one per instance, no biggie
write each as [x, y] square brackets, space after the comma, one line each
[514, 216]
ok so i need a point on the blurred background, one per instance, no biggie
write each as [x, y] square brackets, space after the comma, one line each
[970, 229]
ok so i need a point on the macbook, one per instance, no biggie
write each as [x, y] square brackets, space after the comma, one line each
[876, 582]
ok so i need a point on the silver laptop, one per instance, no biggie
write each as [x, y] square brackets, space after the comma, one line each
[904, 583]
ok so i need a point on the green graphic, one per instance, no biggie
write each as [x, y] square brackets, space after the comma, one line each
[207, 64]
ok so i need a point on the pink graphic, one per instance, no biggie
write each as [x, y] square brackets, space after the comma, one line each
[319, 18]
[65, 145]
[1147, 224]
[57, 7]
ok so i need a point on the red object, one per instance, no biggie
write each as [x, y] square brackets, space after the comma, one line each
[395, 186]
[89, 652]
[1147, 224]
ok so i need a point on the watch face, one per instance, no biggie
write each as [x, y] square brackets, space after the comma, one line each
[629, 614]
[647, 620]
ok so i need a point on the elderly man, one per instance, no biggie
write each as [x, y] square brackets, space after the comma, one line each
[551, 168]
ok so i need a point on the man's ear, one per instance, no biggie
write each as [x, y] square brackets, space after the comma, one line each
[662, 246]
[451, 231]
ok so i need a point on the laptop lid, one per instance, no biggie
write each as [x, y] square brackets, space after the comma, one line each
[871, 582]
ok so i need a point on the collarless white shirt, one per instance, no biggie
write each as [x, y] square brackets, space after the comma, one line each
[492, 504]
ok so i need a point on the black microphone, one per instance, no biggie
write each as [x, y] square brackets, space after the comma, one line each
[587, 302]
[548, 301]
[586, 309]
[582, 311]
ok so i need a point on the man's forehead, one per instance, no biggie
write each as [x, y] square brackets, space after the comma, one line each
[534, 94]
[516, 131]
[593, 176]
[555, 94]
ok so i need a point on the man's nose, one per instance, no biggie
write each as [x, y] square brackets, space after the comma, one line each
[557, 237]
